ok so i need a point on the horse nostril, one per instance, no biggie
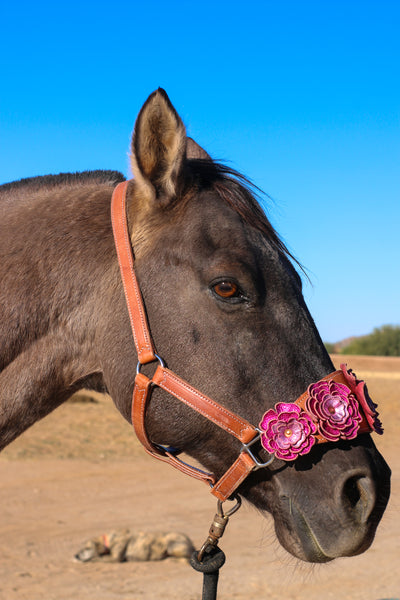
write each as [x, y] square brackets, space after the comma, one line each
[359, 496]
[351, 491]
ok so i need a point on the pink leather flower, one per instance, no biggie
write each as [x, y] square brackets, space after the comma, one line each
[287, 431]
[359, 389]
[335, 410]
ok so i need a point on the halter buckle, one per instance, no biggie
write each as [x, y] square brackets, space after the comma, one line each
[258, 464]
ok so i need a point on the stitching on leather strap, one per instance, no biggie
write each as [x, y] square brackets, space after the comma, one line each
[139, 403]
[244, 426]
[233, 477]
[141, 338]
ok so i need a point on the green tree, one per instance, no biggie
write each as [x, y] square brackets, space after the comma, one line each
[383, 341]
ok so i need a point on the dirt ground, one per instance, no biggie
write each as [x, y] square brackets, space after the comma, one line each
[80, 472]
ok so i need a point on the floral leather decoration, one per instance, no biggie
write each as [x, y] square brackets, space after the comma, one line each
[287, 431]
[336, 408]
[360, 390]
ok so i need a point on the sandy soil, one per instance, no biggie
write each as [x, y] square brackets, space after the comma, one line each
[80, 473]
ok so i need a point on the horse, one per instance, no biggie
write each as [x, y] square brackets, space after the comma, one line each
[223, 298]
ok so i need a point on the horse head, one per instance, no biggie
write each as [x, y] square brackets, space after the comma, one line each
[226, 313]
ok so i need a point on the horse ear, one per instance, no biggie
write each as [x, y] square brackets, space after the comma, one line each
[193, 150]
[158, 148]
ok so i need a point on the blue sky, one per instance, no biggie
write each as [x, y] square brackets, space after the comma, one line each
[303, 97]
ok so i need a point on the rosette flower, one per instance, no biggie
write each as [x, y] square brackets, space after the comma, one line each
[287, 431]
[335, 410]
[360, 390]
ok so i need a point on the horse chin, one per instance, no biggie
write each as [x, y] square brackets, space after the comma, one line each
[301, 540]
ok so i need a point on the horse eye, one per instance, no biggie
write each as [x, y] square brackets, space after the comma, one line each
[226, 289]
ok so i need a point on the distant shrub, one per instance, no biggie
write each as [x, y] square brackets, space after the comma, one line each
[383, 341]
[329, 347]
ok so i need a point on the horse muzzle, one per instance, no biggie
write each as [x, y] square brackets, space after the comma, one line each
[336, 509]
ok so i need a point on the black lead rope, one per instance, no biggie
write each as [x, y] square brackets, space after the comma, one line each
[210, 558]
[212, 561]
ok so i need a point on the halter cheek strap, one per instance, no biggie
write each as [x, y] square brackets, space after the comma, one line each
[137, 314]
[241, 429]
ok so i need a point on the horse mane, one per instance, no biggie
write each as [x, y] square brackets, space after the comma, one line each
[242, 195]
[46, 181]
[234, 188]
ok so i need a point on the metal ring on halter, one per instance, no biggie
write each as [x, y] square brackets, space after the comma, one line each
[258, 463]
[139, 365]
[218, 526]
[232, 510]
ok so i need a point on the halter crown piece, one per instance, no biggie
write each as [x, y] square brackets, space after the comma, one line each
[337, 407]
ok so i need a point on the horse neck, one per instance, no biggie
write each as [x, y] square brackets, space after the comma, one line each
[57, 257]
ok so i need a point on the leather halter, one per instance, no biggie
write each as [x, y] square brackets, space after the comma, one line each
[241, 429]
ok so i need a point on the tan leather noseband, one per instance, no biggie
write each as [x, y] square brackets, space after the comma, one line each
[246, 433]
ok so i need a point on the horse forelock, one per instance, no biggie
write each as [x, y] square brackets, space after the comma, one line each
[236, 190]
[233, 188]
